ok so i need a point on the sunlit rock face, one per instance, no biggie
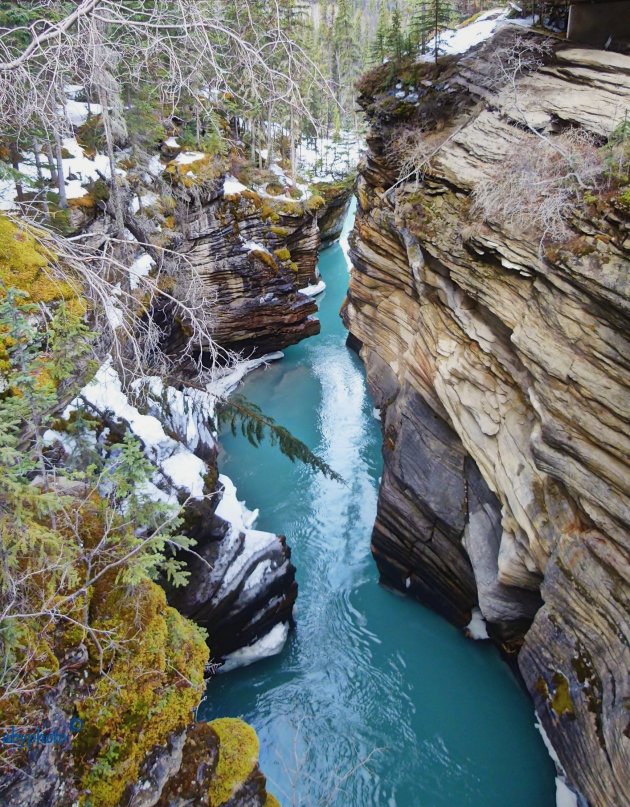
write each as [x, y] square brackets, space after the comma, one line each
[501, 371]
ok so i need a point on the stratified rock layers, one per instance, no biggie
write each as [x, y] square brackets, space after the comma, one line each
[251, 254]
[503, 381]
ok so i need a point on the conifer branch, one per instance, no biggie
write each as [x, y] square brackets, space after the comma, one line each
[240, 414]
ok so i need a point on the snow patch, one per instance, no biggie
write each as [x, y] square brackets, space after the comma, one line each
[188, 157]
[77, 112]
[476, 628]
[254, 246]
[72, 90]
[154, 166]
[232, 186]
[565, 797]
[146, 200]
[186, 471]
[462, 39]
[140, 268]
[178, 463]
[314, 290]
[269, 645]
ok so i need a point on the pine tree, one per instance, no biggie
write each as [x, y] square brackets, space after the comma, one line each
[395, 37]
[380, 45]
[440, 12]
[420, 26]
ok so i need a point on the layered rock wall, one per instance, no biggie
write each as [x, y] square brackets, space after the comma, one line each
[502, 370]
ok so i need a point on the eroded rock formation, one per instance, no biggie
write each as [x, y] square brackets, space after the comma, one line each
[331, 216]
[252, 254]
[502, 371]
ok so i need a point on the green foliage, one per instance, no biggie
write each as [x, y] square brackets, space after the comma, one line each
[411, 27]
[237, 412]
[78, 548]
[617, 153]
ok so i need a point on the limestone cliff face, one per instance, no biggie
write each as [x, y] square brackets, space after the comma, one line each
[502, 371]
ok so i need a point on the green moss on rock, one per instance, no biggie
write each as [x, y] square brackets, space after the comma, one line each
[561, 701]
[150, 691]
[238, 758]
[315, 203]
[282, 254]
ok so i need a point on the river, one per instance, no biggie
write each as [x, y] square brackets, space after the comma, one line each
[375, 700]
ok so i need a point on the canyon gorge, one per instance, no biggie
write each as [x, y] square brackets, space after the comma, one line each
[500, 366]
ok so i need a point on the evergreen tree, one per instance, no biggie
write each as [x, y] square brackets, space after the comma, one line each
[420, 27]
[380, 44]
[440, 12]
[395, 38]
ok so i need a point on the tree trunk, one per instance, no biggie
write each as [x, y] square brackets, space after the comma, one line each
[51, 163]
[115, 190]
[61, 181]
[292, 144]
[15, 164]
[40, 177]
[269, 138]
[435, 40]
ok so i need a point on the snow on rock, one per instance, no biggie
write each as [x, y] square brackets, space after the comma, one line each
[188, 157]
[186, 471]
[171, 143]
[314, 290]
[260, 557]
[140, 268]
[146, 200]
[565, 797]
[270, 645]
[77, 112]
[187, 413]
[230, 509]
[476, 628]
[232, 186]
[72, 90]
[155, 166]
[462, 39]
[113, 313]
[176, 462]
[253, 246]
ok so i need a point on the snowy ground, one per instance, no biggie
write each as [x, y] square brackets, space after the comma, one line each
[78, 170]
[459, 40]
[328, 159]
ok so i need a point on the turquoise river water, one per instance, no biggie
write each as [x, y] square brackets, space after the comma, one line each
[375, 701]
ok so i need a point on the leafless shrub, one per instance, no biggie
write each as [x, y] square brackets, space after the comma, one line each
[411, 151]
[517, 58]
[541, 182]
[123, 314]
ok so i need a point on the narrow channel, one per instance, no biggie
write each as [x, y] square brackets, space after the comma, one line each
[375, 701]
